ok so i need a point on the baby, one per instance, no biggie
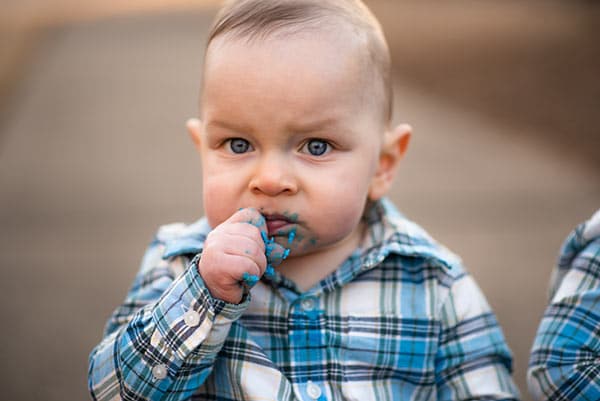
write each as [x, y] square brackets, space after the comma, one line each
[302, 282]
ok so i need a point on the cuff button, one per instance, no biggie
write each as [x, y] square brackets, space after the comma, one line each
[191, 318]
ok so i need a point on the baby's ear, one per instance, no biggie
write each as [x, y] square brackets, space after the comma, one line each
[394, 147]
[194, 129]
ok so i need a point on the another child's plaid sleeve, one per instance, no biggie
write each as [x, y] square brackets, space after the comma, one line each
[565, 359]
[473, 361]
[160, 344]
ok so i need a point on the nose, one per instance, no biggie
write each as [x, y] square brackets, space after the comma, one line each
[273, 176]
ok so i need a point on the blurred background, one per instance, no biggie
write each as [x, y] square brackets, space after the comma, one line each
[504, 98]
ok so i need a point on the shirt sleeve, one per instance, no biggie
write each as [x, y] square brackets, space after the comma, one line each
[565, 358]
[473, 361]
[161, 343]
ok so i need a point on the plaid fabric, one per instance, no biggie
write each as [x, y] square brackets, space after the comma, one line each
[565, 359]
[399, 320]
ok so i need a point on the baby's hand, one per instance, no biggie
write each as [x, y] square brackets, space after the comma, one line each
[236, 252]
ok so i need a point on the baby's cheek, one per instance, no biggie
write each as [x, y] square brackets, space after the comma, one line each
[341, 219]
[217, 204]
[348, 200]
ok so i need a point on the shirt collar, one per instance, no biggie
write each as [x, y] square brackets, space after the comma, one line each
[181, 239]
[388, 232]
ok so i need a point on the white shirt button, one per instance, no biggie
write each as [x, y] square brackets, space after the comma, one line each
[159, 371]
[313, 390]
[191, 318]
[308, 304]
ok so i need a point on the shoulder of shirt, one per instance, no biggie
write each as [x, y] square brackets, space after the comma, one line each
[180, 238]
[582, 246]
[579, 239]
[409, 239]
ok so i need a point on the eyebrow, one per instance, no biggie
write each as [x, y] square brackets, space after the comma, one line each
[312, 126]
[300, 128]
[229, 126]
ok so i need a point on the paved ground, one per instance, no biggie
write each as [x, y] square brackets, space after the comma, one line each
[94, 156]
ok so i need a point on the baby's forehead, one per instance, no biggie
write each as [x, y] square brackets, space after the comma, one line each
[318, 62]
[339, 56]
[347, 24]
[342, 40]
[332, 42]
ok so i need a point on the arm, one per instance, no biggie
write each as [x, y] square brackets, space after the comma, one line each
[161, 344]
[473, 361]
[149, 350]
[565, 359]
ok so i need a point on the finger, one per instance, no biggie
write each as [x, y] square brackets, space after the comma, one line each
[241, 245]
[249, 275]
[254, 218]
[231, 285]
[275, 253]
[222, 242]
[251, 216]
[234, 232]
[238, 230]
[240, 266]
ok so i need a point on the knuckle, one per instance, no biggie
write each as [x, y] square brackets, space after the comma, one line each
[253, 232]
[248, 213]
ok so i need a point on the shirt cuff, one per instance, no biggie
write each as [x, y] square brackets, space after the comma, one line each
[188, 316]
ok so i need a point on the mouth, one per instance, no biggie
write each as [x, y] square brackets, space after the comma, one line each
[276, 223]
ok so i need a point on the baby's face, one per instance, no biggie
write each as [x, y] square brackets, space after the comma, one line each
[285, 130]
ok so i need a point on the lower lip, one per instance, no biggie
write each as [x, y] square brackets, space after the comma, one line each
[276, 225]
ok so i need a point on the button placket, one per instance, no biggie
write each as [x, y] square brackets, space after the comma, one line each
[313, 390]
[307, 304]
[159, 372]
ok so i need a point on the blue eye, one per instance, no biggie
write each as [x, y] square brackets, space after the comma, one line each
[317, 147]
[239, 145]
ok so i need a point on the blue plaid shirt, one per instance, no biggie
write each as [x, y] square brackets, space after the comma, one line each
[399, 320]
[565, 359]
